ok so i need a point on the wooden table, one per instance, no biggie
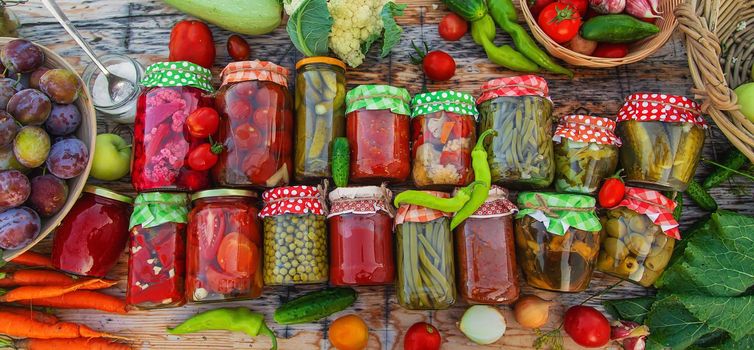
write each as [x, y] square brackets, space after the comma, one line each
[141, 29]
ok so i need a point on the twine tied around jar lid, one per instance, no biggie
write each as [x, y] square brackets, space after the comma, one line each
[653, 204]
[295, 200]
[559, 212]
[521, 85]
[552, 210]
[361, 200]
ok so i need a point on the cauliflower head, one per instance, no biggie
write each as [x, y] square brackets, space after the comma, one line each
[354, 23]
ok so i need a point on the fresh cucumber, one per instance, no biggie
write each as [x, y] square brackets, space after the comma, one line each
[315, 305]
[735, 160]
[470, 10]
[617, 29]
[700, 196]
[341, 157]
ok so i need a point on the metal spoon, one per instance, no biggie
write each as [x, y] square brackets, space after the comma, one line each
[118, 86]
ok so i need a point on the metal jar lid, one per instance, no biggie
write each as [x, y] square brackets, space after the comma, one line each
[223, 192]
[104, 192]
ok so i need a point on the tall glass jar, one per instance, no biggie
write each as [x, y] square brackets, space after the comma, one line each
[586, 152]
[520, 110]
[361, 236]
[157, 263]
[256, 126]
[443, 134]
[557, 240]
[377, 127]
[320, 115]
[161, 145]
[224, 251]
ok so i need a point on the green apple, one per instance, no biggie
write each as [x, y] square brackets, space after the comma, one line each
[745, 95]
[112, 158]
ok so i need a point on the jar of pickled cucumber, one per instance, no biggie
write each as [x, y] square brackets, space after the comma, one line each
[557, 240]
[662, 136]
[586, 152]
[295, 237]
[640, 236]
[320, 115]
[520, 110]
[424, 250]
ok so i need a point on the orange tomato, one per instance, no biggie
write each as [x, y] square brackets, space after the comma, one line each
[349, 333]
[238, 254]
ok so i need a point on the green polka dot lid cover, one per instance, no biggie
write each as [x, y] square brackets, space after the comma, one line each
[444, 100]
[164, 74]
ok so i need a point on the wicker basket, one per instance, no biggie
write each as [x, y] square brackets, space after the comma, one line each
[637, 52]
[720, 51]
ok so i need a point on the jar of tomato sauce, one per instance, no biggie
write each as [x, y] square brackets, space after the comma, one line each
[361, 236]
[224, 247]
[93, 235]
[377, 127]
[256, 128]
[162, 144]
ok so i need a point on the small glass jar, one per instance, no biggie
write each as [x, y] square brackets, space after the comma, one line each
[157, 264]
[520, 110]
[123, 108]
[586, 152]
[443, 134]
[93, 234]
[557, 240]
[295, 236]
[662, 136]
[161, 145]
[320, 115]
[224, 250]
[361, 236]
[256, 128]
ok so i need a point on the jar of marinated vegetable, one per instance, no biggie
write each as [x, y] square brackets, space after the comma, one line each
[361, 236]
[424, 249]
[224, 254]
[157, 264]
[256, 128]
[443, 134]
[520, 110]
[487, 271]
[586, 152]
[295, 237]
[641, 234]
[377, 127]
[662, 139]
[320, 115]
[161, 145]
[557, 240]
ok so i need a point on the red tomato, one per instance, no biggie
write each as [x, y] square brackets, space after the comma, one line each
[246, 136]
[587, 326]
[439, 66]
[238, 48]
[192, 41]
[203, 122]
[536, 6]
[225, 283]
[264, 118]
[452, 27]
[422, 336]
[209, 231]
[608, 50]
[560, 22]
[204, 156]
[238, 254]
[580, 5]
[611, 192]
[239, 109]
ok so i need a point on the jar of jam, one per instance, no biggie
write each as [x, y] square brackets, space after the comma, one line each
[295, 236]
[487, 271]
[93, 235]
[361, 236]
[443, 134]
[224, 254]
[256, 126]
[161, 143]
[377, 127]
[320, 115]
[157, 264]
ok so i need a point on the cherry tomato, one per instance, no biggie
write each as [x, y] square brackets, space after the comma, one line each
[202, 122]
[587, 326]
[192, 41]
[608, 50]
[246, 136]
[263, 118]
[611, 192]
[239, 109]
[204, 156]
[225, 283]
[238, 48]
[349, 333]
[536, 6]
[560, 22]
[580, 5]
[439, 66]
[422, 336]
[452, 27]
[238, 254]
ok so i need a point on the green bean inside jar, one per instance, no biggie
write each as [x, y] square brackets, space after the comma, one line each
[662, 136]
[586, 152]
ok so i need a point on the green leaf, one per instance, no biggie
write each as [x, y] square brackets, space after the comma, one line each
[634, 309]
[745, 343]
[393, 31]
[309, 27]
[671, 325]
[367, 44]
[734, 315]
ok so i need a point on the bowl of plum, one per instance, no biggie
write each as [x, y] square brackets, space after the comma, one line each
[47, 132]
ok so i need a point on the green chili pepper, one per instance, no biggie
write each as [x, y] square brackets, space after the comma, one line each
[237, 319]
[481, 174]
[507, 57]
[448, 205]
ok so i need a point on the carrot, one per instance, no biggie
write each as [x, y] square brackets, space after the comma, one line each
[32, 314]
[447, 127]
[81, 299]
[30, 258]
[39, 292]
[72, 344]
[38, 278]
[21, 326]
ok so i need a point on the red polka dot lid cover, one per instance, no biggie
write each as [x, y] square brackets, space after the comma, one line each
[584, 128]
[661, 107]
[293, 200]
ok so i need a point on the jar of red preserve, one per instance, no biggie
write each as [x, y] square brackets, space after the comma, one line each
[256, 128]
[157, 264]
[91, 238]
[377, 127]
[162, 144]
[361, 236]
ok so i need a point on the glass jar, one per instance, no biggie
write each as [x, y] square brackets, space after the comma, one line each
[320, 115]
[377, 127]
[443, 134]
[662, 136]
[256, 126]
[557, 240]
[637, 247]
[520, 110]
[123, 108]
[586, 152]
[93, 234]
[157, 264]
[295, 236]
[487, 271]
[224, 250]
[424, 249]
[161, 144]
[361, 236]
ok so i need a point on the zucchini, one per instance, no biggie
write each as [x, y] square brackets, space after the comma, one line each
[470, 10]
[617, 29]
[735, 160]
[700, 196]
[341, 157]
[240, 16]
[314, 306]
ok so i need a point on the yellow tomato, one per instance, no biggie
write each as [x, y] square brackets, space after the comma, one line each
[349, 333]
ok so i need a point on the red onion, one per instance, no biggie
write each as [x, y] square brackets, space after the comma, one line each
[642, 8]
[607, 6]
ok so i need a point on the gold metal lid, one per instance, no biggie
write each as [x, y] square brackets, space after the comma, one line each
[223, 192]
[104, 192]
[321, 59]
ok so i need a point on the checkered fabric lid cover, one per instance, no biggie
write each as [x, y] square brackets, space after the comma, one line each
[444, 100]
[584, 128]
[661, 107]
[559, 212]
[655, 206]
[293, 200]
[497, 204]
[416, 213]
[181, 73]
[378, 97]
[236, 72]
[361, 200]
[156, 208]
[520, 85]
